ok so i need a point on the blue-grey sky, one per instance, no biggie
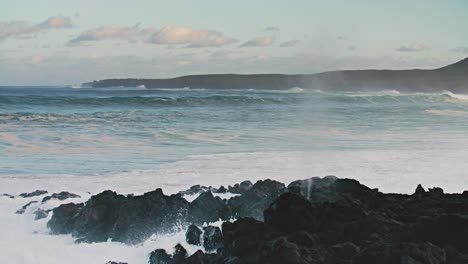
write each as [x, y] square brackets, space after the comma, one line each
[58, 42]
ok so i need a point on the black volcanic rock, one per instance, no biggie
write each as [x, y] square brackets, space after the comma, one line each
[207, 208]
[32, 194]
[454, 76]
[60, 196]
[128, 219]
[212, 238]
[335, 221]
[193, 235]
[160, 256]
[24, 207]
[256, 199]
[240, 188]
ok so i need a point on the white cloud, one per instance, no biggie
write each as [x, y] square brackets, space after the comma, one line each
[112, 32]
[169, 35]
[56, 22]
[413, 47]
[24, 29]
[259, 42]
[290, 43]
[191, 37]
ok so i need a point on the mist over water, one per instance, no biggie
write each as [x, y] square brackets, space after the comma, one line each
[134, 140]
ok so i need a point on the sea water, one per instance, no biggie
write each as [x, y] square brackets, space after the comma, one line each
[134, 140]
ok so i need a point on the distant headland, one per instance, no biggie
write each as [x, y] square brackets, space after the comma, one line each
[453, 77]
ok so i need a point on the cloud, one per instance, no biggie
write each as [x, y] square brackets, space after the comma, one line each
[24, 29]
[413, 47]
[289, 43]
[16, 29]
[56, 22]
[460, 49]
[259, 42]
[169, 35]
[111, 32]
[176, 35]
[271, 28]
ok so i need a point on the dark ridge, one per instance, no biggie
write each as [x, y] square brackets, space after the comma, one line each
[453, 77]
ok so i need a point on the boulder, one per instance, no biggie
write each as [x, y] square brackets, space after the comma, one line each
[193, 235]
[212, 238]
[207, 208]
[160, 256]
[256, 199]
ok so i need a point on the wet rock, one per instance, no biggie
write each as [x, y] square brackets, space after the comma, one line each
[8, 195]
[24, 207]
[64, 218]
[221, 189]
[60, 196]
[212, 238]
[207, 208]
[129, 219]
[240, 188]
[193, 235]
[180, 253]
[335, 221]
[256, 199]
[32, 194]
[41, 214]
[195, 189]
[160, 256]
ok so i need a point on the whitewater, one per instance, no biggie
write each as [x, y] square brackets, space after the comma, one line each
[134, 140]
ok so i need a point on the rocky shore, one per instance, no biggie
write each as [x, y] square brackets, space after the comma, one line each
[318, 220]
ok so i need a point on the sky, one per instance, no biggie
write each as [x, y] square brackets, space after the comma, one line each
[63, 42]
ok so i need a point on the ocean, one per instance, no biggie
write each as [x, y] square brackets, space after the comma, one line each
[134, 140]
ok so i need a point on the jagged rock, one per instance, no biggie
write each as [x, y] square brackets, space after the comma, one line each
[193, 235]
[179, 253]
[221, 189]
[32, 194]
[122, 218]
[60, 196]
[8, 195]
[212, 238]
[256, 199]
[24, 207]
[335, 221]
[160, 256]
[207, 208]
[40, 214]
[240, 188]
[419, 190]
[194, 190]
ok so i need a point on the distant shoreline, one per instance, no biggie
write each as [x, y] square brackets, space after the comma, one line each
[453, 77]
